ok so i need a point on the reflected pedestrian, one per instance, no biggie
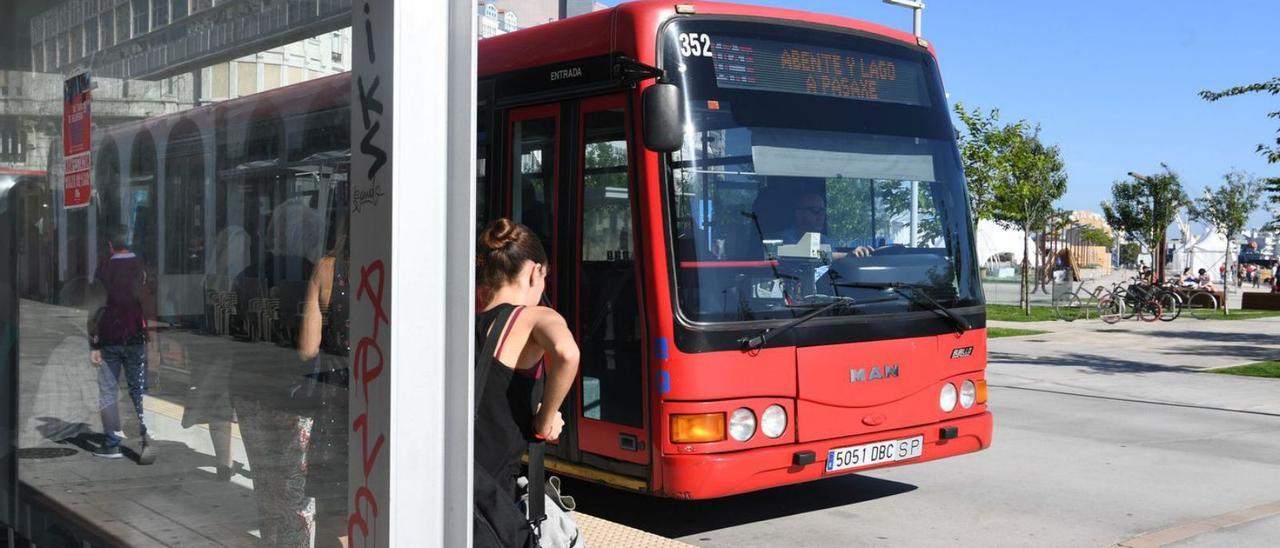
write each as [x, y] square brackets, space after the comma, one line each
[209, 399]
[324, 340]
[118, 339]
[270, 391]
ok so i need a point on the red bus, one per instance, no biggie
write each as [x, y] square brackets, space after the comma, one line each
[760, 233]
[757, 219]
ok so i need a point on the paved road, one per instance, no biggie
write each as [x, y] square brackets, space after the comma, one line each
[1104, 435]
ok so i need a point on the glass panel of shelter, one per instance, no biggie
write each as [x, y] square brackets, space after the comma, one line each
[220, 215]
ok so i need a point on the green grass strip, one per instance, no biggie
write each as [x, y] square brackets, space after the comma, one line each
[997, 332]
[1012, 313]
[1260, 369]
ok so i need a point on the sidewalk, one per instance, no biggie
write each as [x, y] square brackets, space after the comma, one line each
[1130, 359]
[178, 501]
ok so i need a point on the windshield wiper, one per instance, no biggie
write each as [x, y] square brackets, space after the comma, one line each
[917, 294]
[761, 339]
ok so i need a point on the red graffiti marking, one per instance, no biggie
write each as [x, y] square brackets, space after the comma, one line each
[361, 425]
[357, 518]
[372, 279]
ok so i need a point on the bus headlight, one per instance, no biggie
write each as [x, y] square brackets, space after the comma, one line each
[947, 399]
[968, 394]
[742, 424]
[773, 422]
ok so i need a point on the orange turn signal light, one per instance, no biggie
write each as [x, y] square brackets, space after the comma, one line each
[982, 391]
[700, 428]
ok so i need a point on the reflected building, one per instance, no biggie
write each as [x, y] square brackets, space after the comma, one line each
[495, 17]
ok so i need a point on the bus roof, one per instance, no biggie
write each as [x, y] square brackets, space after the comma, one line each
[631, 29]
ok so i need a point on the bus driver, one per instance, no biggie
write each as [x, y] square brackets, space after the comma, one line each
[809, 214]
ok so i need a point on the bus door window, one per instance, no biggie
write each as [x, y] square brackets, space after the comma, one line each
[609, 330]
[533, 175]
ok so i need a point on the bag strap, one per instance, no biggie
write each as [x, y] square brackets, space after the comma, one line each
[496, 335]
[537, 470]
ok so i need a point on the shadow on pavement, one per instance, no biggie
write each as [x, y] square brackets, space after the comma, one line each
[60, 431]
[1089, 362]
[1251, 353]
[1231, 336]
[678, 518]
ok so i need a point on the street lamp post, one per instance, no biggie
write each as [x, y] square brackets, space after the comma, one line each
[917, 7]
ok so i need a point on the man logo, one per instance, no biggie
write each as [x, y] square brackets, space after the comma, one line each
[873, 374]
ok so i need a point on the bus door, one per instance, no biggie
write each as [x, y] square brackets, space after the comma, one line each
[608, 323]
[533, 196]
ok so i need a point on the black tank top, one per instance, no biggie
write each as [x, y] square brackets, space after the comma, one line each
[504, 414]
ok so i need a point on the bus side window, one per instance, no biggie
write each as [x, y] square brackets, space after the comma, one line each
[609, 327]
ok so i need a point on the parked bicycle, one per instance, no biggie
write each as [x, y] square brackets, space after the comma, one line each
[1080, 303]
[1201, 304]
[1141, 300]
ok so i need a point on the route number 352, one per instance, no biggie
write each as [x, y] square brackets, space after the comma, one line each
[695, 44]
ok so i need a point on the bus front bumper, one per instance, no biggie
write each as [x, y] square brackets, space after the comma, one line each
[716, 475]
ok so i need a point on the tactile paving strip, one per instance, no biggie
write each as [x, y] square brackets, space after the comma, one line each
[600, 533]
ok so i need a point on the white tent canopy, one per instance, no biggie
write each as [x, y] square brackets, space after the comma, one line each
[1207, 251]
[998, 246]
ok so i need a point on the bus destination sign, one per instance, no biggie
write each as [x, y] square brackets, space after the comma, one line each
[763, 65]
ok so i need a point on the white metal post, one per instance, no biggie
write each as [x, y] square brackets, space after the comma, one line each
[459, 262]
[412, 175]
[915, 213]
[917, 8]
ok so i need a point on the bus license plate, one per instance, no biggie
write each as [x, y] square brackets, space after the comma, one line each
[858, 456]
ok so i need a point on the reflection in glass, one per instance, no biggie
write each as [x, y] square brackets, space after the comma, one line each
[233, 219]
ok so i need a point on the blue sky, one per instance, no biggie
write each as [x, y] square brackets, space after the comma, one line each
[1114, 83]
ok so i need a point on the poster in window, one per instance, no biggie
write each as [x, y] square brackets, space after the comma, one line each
[76, 138]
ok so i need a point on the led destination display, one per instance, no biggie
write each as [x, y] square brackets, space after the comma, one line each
[762, 65]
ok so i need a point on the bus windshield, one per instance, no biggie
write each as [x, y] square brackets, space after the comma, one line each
[817, 166]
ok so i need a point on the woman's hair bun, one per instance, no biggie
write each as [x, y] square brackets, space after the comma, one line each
[502, 249]
[498, 235]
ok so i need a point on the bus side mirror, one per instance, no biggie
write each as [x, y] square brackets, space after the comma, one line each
[663, 127]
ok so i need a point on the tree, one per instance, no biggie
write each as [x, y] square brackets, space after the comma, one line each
[985, 152]
[1025, 199]
[1092, 235]
[1144, 208]
[1227, 210]
[1129, 253]
[1271, 153]
[1272, 86]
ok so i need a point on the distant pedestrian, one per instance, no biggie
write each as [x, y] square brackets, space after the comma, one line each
[1187, 279]
[1204, 282]
[118, 339]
